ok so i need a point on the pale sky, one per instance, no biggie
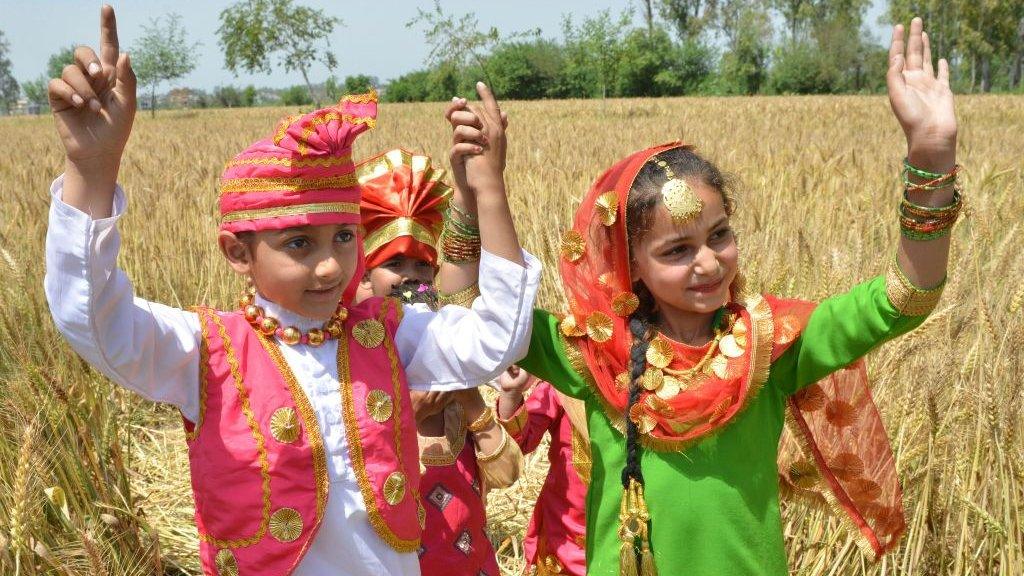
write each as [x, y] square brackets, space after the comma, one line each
[374, 40]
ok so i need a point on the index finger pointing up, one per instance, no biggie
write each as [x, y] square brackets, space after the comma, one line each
[109, 49]
[490, 104]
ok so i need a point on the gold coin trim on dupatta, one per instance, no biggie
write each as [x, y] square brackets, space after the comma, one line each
[804, 474]
[670, 388]
[730, 347]
[394, 488]
[286, 525]
[379, 406]
[625, 303]
[570, 328]
[369, 333]
[652, 379]
[680, 200]
[606, 206]
[573, 245]
[660, 352]
[226, 563]
[284, 425]
[599, 327]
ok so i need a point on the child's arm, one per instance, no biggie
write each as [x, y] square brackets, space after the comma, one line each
[923, 104]
[527, 421]
[459, 347]
[498, 457]
[146, 347]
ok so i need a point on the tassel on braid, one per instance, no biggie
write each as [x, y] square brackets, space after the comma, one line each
[635, 555]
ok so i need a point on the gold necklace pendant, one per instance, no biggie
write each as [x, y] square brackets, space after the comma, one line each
[290, 335]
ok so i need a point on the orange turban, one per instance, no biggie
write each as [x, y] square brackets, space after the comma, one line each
[403, 198]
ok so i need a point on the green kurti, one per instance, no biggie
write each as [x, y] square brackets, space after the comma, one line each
[715, 506]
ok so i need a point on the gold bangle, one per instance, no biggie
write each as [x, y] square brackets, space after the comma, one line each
[483, 422]
[464, 297]
[907, 299]
[497, 453]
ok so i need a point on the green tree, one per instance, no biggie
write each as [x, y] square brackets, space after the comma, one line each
[35, 92]
[9, 88]
[410, 87]
[296, 96]
[593, 50]
[162, 54]
[227, 96]
[252, 32]
[358, 84]
[457, 41]
[747, 29]
[58, 60]
[689, 18]
[526, 70]
[652, 65]
[249, 96]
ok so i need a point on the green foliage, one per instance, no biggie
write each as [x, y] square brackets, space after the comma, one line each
[358, 84]
[227, 96]
[58, 60]
[526, 70]
[8, 85]
[162, 54]
[35, 91]
[252, 32]
[296, 96]
[652, 65]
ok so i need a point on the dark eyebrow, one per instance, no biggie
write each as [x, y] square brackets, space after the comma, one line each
[682, 237]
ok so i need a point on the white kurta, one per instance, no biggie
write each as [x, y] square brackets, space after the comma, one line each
[153, 350]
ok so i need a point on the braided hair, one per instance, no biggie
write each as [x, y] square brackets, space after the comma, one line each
[641, 327]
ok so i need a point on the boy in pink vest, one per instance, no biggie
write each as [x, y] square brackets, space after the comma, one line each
[299, 425]
[463, 449]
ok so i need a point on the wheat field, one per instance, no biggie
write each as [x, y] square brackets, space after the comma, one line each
[94, 481]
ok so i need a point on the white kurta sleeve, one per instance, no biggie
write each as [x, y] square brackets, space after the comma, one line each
[146, 347]
[459, 347]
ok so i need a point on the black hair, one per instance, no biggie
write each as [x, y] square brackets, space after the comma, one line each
[409, 292]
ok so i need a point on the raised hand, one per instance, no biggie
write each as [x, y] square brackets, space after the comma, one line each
[921, 98]
[515, 380]
[93, 101]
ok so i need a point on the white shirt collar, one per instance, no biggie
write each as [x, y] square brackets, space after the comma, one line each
[286, 317]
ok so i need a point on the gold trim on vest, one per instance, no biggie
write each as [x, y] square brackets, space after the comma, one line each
[284, 425]
[379, 406]
[369, 333]
[286, 525]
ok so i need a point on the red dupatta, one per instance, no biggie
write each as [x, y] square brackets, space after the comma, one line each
[846, 458]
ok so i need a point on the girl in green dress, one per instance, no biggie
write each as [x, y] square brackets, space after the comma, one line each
[688, 380]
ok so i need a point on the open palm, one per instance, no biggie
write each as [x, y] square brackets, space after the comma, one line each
[921, 99]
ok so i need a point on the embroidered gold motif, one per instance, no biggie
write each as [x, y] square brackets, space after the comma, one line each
[369, 333]
[599, 327]
[581, 458]
[573, 245]
[659, 352]
[625, 303]
[284, 425]
[204, 367]
[652, 379]
[322, 208]
[907, 299]
[394, 488]
[286, 525]
[421, 515]
[379, 405]
[226, 563]
[804, 474]
[607, 207]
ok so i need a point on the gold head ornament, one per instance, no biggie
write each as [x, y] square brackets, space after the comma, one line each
[680, 199]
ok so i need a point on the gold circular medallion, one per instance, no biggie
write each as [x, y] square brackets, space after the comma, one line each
[670, 388]
[625, 303]
[285, 524]
[369, 333]
[284, 425]
[680, 200]
[607, 207]
[719, 366]
[573, 245]
[730, 347]
[622, 380]
[804, 474]
[599, 327]
[659, 352]
[379, 405]
[652, 379]
[570, 328]
[226, 563]
[643, 419]
[394, 488]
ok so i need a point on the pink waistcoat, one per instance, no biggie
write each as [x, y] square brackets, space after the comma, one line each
[259, 470]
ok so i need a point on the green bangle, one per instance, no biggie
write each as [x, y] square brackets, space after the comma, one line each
[956, 203]
[462, 213]
[925, 236]
[908, 167]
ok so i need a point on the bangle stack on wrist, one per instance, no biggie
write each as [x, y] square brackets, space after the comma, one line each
[925, 223]
[483, 422]
[460, 241]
